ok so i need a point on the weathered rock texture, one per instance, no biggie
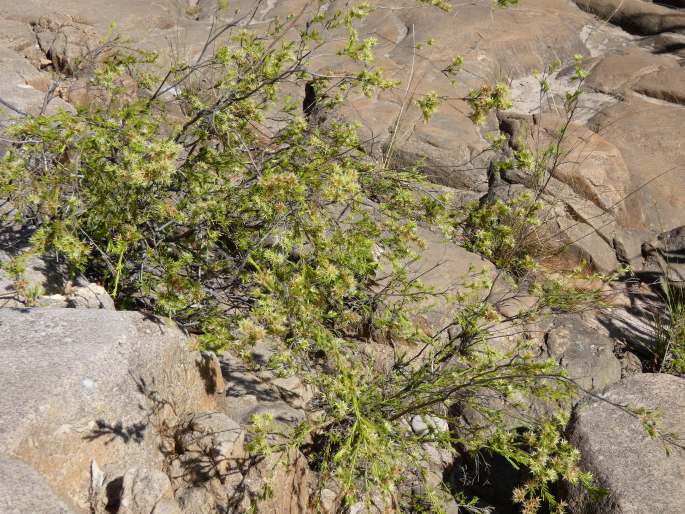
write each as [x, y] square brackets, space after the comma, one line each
[112, 412]
[588, 356]
[82, 385]
[24, 491]
[643, 475]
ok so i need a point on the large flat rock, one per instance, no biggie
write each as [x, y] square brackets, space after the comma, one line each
[495, 44]
[24, 491]
[21, 88]
[637, 16]
[642, 475]
[452, 274]
[79, 385]
[648, 133]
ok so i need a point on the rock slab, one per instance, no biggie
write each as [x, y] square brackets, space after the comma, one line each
[82, 385]
[643, 475]
[24, 491]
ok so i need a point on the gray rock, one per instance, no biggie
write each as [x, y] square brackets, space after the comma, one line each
[664, 256]
[516, 305]
[41, 275]
[8, 297]
[255, 389]
[18, 83]
[614, 71]
[210, 445]
[592, 177]
[446, 148]
[329, 501]
[92, 384]
[586, 354]
[630, 320]
[295, 485]
[24, 491]
[439, 461]
[448, 270]
[628, 246]
[572, 229]
[636, 16]
[63, 42]
[636, 126]
[666, 84]
[424, 425]
[643, 475]
[143, 490]
[575, 241]
[17, 35]
[196, 500]
[90, 296]
[630, 364]
[166, 506]
[280, 411]
[47, 281]
[53, 301]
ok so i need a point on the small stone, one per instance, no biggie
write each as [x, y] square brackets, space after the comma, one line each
[423, 425]
[90, 296]
[143, 490]
[196, 500]
[630, 364]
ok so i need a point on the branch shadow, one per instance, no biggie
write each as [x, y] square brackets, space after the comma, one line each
[195, 455]
[637, 325]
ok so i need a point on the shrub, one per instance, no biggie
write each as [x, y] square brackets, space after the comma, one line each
[506, 232]
[244, 230]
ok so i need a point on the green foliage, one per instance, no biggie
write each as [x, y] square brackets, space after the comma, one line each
[677, 335]
[486, 99]
[514, 231]
[573, 291]
[246, 229]
[505, 231]
[548, 445]
[15, 269]
[428, 104]
[670, 331]
[455, 66]
[445, 5]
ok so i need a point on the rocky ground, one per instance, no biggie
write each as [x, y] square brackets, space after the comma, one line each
[108, 411]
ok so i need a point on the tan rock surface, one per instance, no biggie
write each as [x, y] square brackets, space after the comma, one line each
[649, 135]
[92, 384]
[666, 84]
[614, 71]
